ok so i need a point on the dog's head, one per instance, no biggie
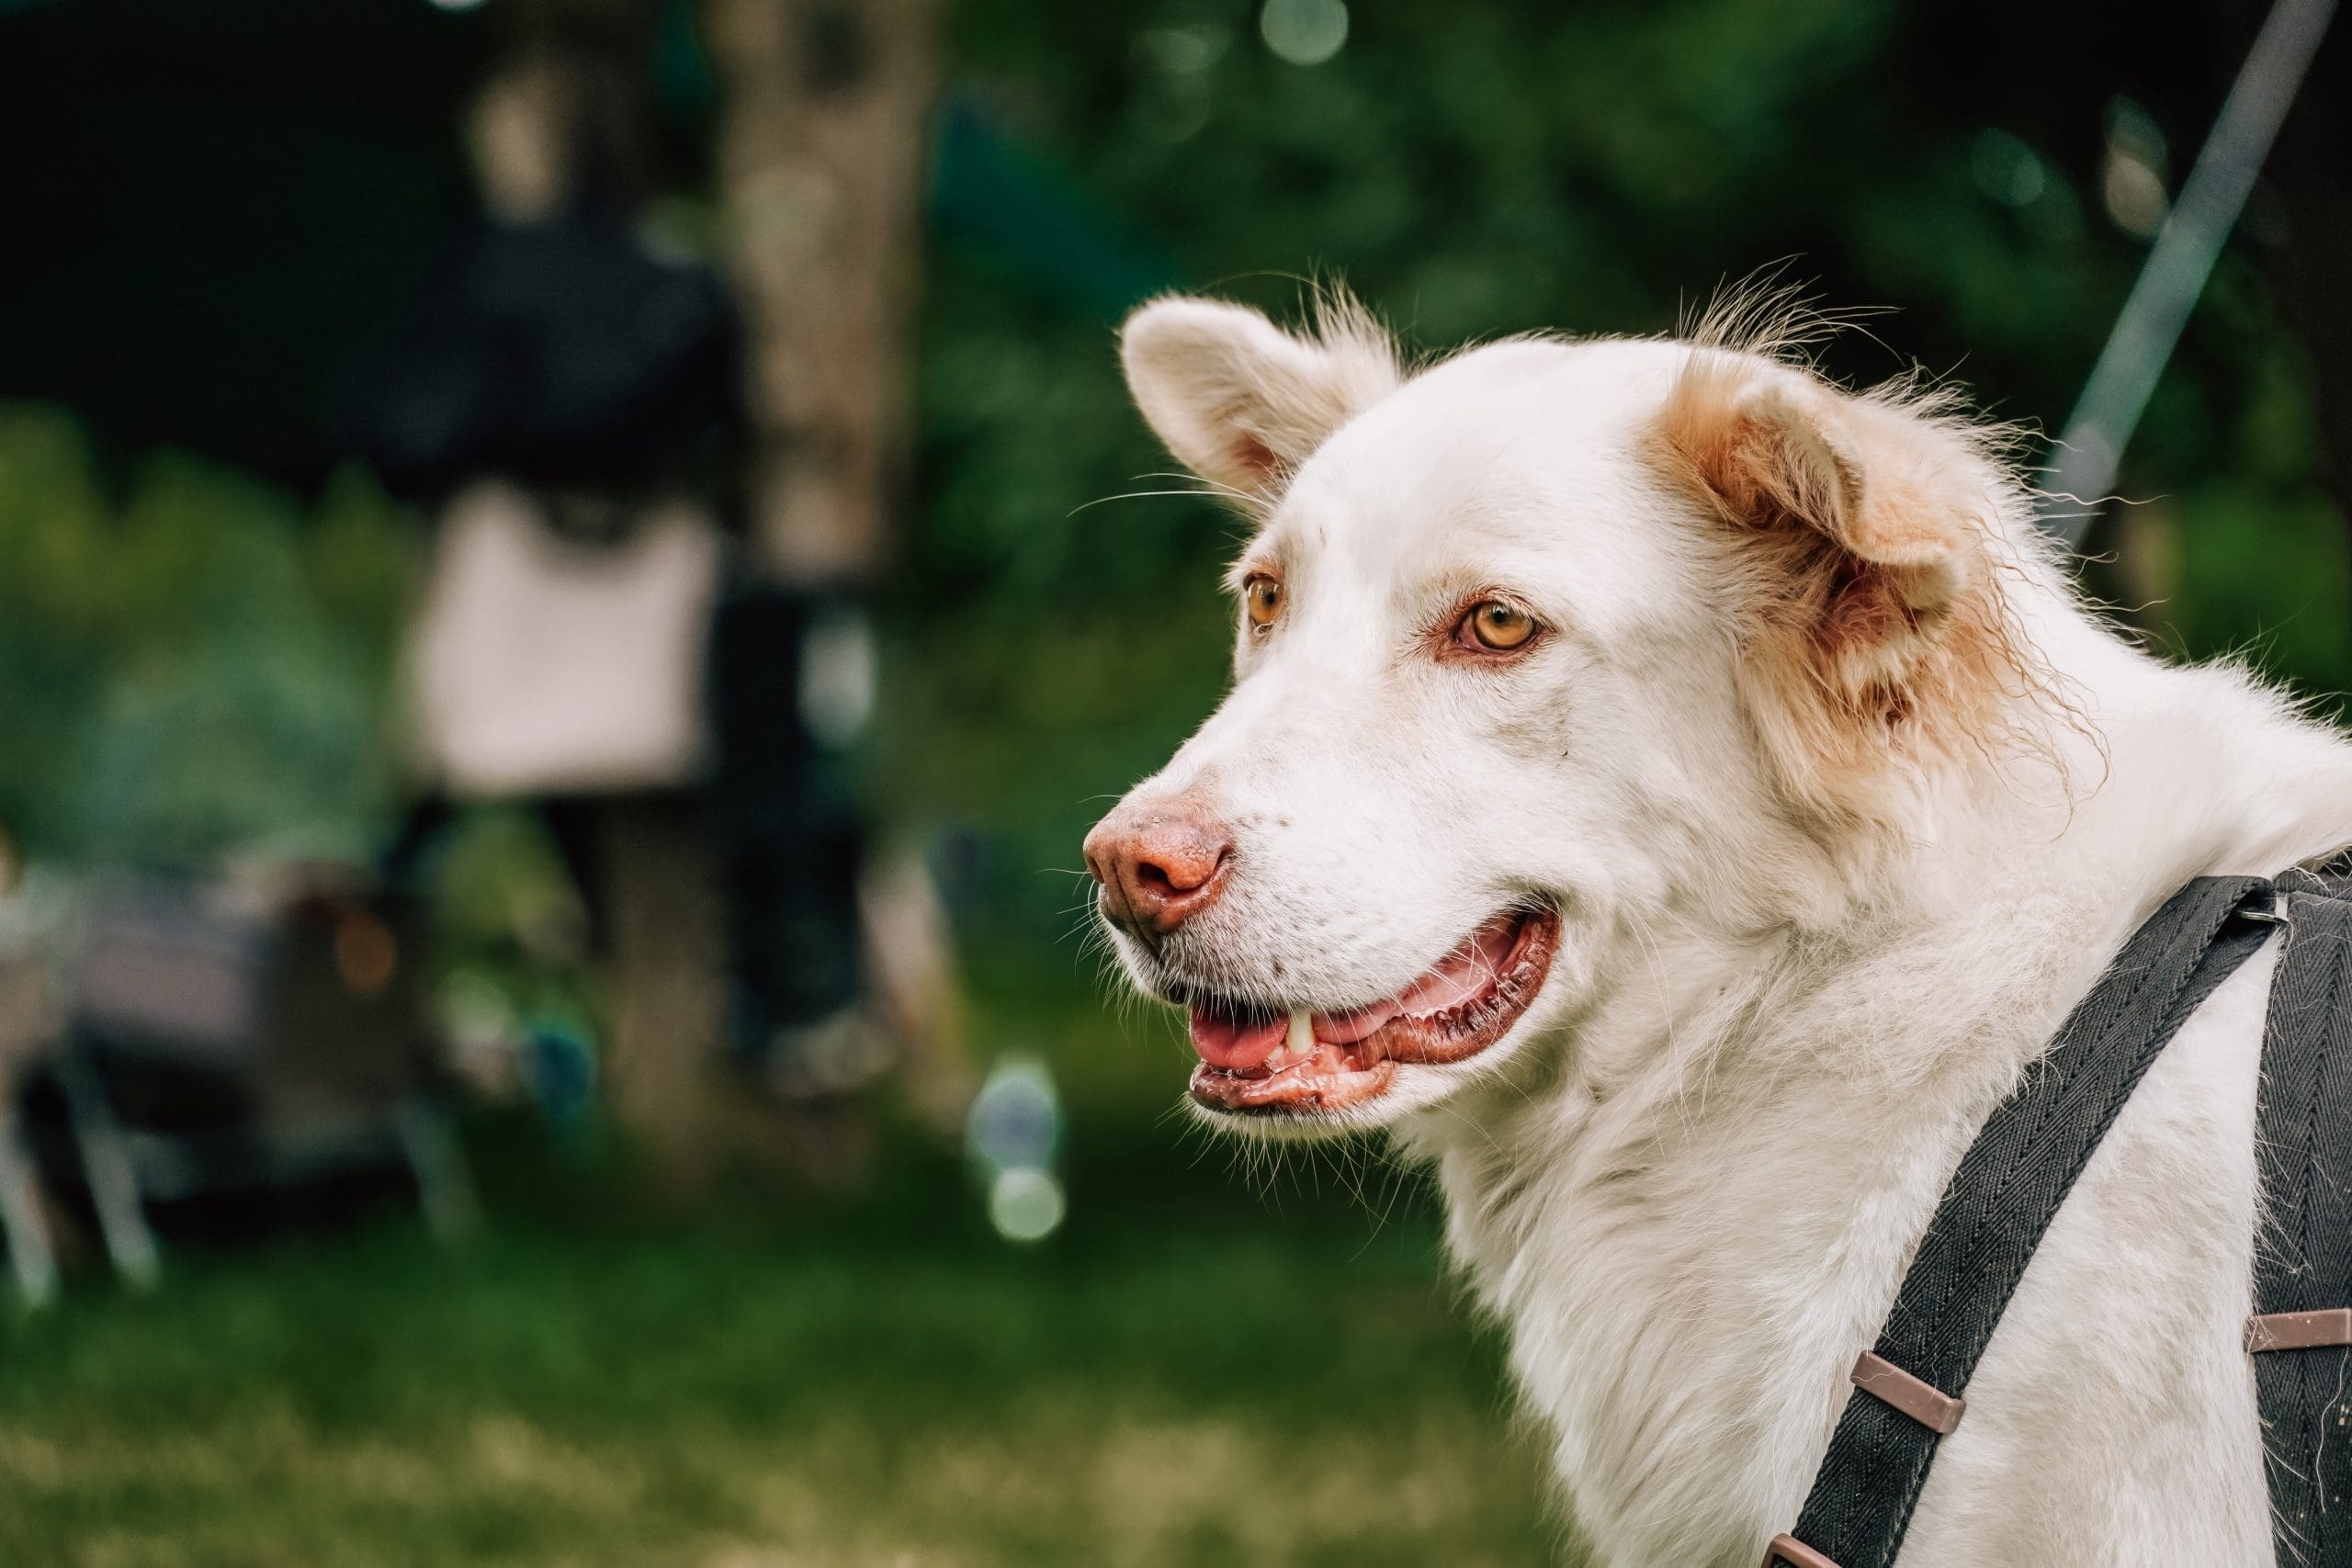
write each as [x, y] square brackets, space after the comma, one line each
[1533, 648]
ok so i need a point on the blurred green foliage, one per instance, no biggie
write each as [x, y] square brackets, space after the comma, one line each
[192, 662]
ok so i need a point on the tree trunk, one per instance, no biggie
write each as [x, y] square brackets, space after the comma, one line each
[664, 938]
[821, 130]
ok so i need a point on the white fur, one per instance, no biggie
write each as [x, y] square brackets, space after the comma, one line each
[1690, 1178]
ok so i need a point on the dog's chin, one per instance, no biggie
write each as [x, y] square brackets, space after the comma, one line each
[1272, 1070]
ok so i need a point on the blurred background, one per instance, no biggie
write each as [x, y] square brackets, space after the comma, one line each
[572, 572]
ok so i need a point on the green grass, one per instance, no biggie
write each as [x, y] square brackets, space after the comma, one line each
[1189, 1374]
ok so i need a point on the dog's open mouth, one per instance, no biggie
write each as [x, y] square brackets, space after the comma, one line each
[1302, 1061]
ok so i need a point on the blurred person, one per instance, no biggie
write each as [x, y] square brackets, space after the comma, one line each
[612, 627]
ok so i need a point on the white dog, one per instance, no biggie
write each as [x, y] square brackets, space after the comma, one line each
[1678, 799]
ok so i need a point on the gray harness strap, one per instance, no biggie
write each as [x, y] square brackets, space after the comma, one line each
[2302, 1267]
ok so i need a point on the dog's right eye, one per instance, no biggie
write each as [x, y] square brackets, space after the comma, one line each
[1262, 598]
[1496, 627]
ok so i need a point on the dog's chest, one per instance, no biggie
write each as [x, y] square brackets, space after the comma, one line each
[1684, 1292]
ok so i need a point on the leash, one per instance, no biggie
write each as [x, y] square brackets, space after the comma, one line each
[1909, 1389]
[2171, 280]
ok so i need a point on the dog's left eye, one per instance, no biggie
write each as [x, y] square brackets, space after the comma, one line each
[1262, 595]
[1496, 627]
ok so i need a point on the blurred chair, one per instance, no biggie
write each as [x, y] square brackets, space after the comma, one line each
[28, 1029]
[212, 1043]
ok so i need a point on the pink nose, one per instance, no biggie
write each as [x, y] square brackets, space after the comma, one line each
[1159, 862]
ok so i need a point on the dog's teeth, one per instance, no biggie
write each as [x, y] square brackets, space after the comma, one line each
[1302, 1034]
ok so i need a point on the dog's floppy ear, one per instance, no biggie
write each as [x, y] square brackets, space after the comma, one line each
[1865, 533]
[1238, 400]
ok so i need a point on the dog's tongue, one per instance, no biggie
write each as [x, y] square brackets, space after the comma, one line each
[1237, 1044]
[1240, 1044]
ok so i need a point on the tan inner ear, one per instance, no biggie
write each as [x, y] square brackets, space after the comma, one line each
[1251, 456]
[1860, 535]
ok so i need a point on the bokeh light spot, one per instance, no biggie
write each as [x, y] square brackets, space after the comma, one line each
[1304, 32]
[2132, 181]
[2006, 169]
[1026, 1204]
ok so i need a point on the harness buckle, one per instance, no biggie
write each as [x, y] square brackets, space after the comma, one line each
[1922, 1401]
[1786, 1550]
[2323, 1329]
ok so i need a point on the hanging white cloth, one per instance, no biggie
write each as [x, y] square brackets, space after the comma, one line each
[544, 665]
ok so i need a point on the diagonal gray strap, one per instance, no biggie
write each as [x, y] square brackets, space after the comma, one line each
[2303, 1250]
[1993, 1214]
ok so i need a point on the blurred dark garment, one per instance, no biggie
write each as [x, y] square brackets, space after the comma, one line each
[783, 810]
[564, 354]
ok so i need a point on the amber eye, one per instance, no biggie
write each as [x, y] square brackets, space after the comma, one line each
[1263, 597]
[1496, 627]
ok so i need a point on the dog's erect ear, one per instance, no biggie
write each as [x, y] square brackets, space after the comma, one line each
[1238, 400]
[1865, 533]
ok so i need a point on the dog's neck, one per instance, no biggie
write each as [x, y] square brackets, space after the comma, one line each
[1693, 1204]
